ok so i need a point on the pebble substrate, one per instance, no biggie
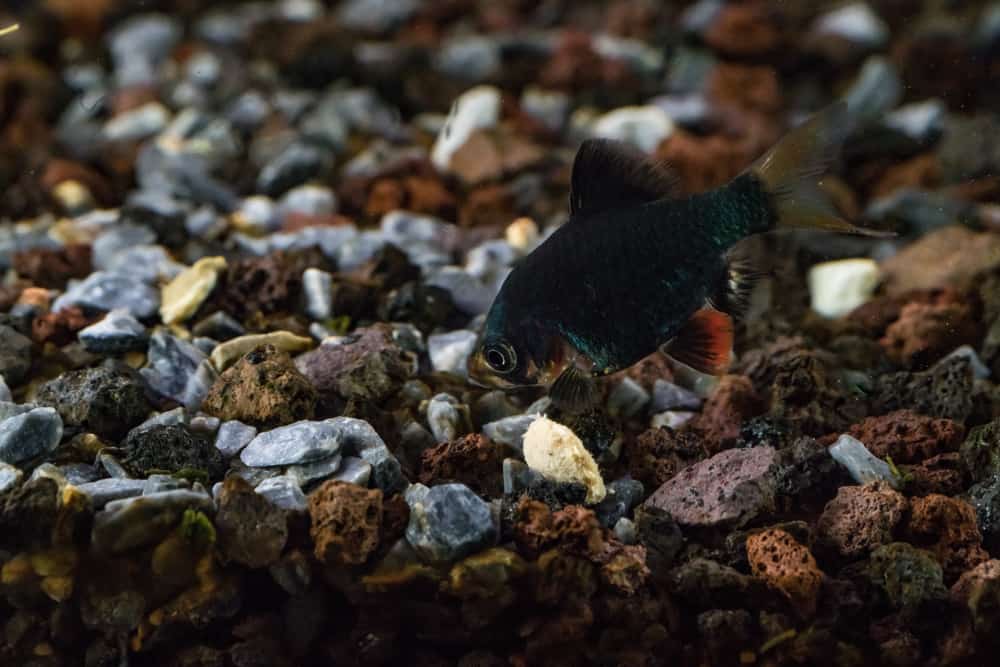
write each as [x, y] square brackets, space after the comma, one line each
[246, 249]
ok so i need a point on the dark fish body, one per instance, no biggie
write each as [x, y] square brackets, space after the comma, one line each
[635, 268]
[618, 284]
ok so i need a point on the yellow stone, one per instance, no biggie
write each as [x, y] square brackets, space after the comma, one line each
[522, 234]
[183, 295]
[555, 451]
[58, 588]
[16, 570]
[53, 562]
[225, 354]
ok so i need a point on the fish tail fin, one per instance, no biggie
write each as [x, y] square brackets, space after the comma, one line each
[791, 172]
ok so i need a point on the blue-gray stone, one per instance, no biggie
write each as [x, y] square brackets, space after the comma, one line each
[376, 16]
[117, 333]
[10, 477]
[205, 424]
[862, 465]
[627, 398]
[354, 471]
[29, 435]
[136, 124]
[448, 522]
[248, 110]
[312, 200]
[293, 166]
[921, 211]
[444, 417]
[131, 523]
[112, 466]
[469, 294]
[855, 22]
[921, 121]
[149, 263]
[139, 45]
[104, 290]
[877, 89]
[103, 491]
[669, 396]
[120, 237]
[979, 370]
[283, 492]
[301, 442]
[518, 477]
[623, 494]
[233, 436]
[10, 409]
[510, 430]
[177, 369]
[80, 473]
[15, 355]
[317, 287]
[551, 107]
[5, 394]
[356, 251]
[626, 531]
[307, 474]
[219, 326]
[469, 58]
[361, 439]
[489, 259]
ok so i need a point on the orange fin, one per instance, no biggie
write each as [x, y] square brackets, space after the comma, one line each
[705, 343]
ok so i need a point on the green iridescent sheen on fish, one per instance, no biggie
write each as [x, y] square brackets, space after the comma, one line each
[636, 268]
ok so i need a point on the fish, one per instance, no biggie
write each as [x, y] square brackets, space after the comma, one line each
[637, 268]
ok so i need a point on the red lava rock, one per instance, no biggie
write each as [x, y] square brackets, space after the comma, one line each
[925, 332]
[60, 328]
[952, 255]
[942, 474]
[492, 205]
[978, 591]
[537, 529]
[861, 518]
[745, 29]
[948, 528]
[777, 558]
[733, 401]
[908, 437]
[702, 163]
[658, 454]
[473, 460]
[726, 491]
[346, 522]
[53, 267]
[575, 64]
[259, 284]
[252, 531]
[874, 317]
[747, 87]
[263, 389]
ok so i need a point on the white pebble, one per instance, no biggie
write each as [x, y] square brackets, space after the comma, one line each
[863, 466]
[642, 126]
[836, 288]
[474, 109]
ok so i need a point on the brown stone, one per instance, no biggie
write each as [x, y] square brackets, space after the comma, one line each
[948, 529]
[777, 558]
[473, 460]
[925, 332]
[952, 255]
[60, 328]
[922, 172]
[491, 205]
[861, 518]
[346, 521]
[746, 87]
[53, 267]
[733, 401]
[263, 389]
[745, 29]
[657, 454]
[251, 530]
[908, 437]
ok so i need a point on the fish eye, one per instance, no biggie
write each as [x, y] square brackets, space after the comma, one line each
[500, 357]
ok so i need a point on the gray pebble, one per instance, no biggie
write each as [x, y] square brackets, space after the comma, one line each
[669, 396]
[117, 333]
[623, 494]
[980, 370]
[626, 531]
[10, 477]
[518, 477]
[177, 369]
[470, 58]
[316, 285]
[443, 417]
[354, 471]
[876, 90]
[469, 294]
[26, 436]
[136, 124]
[5, 395]
[80, 473]
[312, 473]
[116, 239]
[510, 430]
[360, 438]
[293, 166]
[104, 491]
[448, 522]
[311, 200]
[151, 264]
[301, 442]
[863, 466]
[104, 290]
[233, 436]
[130, 523]
[921, 121]
[627, 398]
[284, 492]
[112, 466]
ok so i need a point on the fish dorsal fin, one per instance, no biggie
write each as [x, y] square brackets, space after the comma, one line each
[611, 174]
[705, 342]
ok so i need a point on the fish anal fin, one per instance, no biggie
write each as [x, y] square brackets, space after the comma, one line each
[705, 342]
[610, 174]
[574, 390]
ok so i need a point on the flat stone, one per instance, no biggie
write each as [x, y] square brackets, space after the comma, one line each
[301, 442]
[448, 522]
[510, 430]
[103, 491]
[29, 435]
[182, 296]
[728, 490]
[119, 332]
[283, 492]
[863, 466]
[131, 523]
[449, 352]
[178, 370]
[233, 436]
[361, 439]
[103, 290]
[354, 470]
[307, 474]
[226, 353]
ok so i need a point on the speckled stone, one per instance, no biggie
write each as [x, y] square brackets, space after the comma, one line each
[448, 522]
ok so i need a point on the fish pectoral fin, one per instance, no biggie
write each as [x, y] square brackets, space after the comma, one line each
[574, 390]
[742, 275]
[705, 343]
[610, 174]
